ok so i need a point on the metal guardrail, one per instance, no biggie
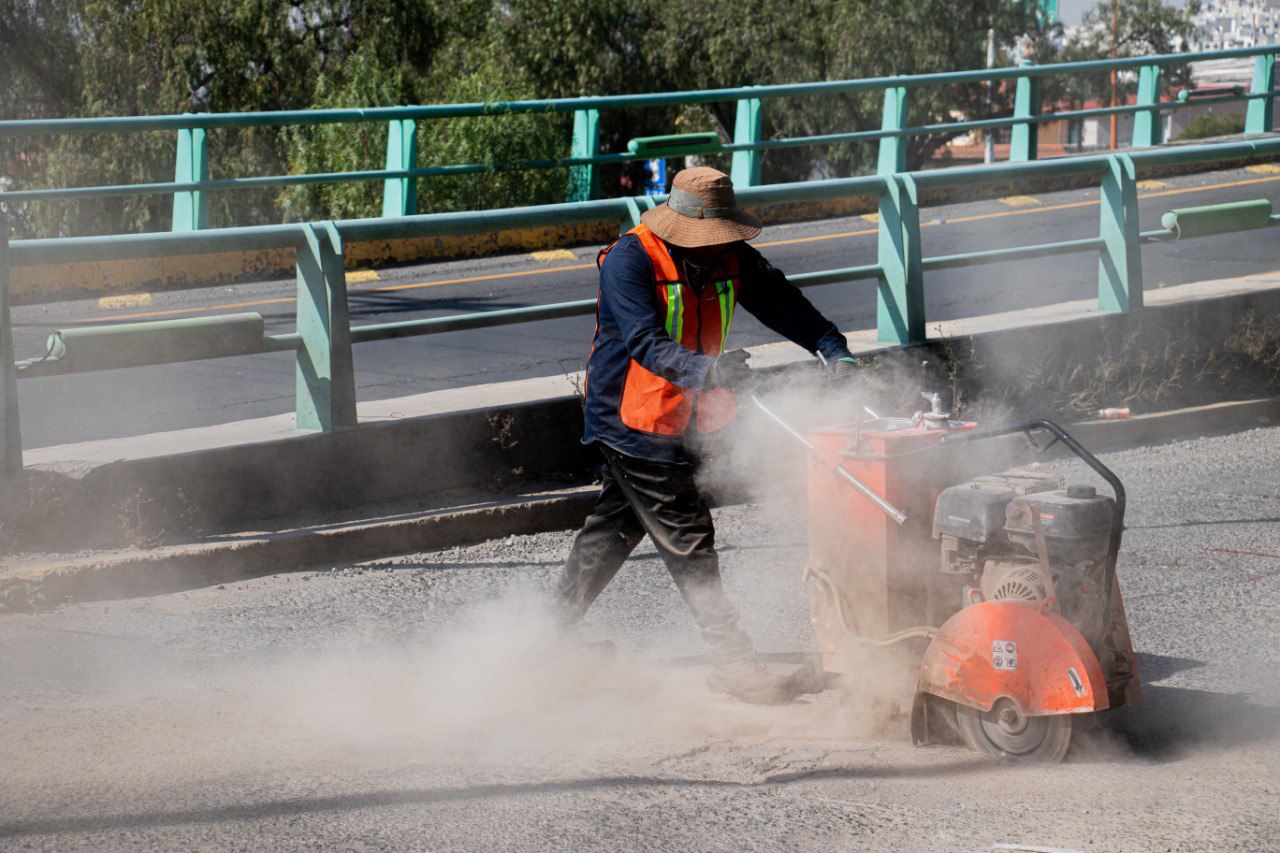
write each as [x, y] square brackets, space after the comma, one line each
[191, 182]
[325, 376]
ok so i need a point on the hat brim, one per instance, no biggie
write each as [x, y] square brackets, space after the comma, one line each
[690, 233]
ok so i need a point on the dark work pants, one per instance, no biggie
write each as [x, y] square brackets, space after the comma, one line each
[662, 500]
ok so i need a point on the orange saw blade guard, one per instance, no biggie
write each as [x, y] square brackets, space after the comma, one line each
[1025, 652]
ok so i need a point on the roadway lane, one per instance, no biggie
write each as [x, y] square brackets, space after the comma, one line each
[127, 402]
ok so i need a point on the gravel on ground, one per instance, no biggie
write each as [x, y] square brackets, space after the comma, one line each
[423, 702]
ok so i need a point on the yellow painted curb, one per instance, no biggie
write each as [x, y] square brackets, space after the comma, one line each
[111, 279]
[126, 300]
[554, 255]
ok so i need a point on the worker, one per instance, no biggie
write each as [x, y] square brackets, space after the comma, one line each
[659, 381]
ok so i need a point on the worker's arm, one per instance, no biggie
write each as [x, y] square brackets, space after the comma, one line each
[628, 306]
[780, 305]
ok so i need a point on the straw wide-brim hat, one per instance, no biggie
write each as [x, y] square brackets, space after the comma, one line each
[701, 211]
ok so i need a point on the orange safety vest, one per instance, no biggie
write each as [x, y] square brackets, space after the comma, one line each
[696, 320]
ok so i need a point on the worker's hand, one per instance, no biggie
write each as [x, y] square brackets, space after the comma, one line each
[842, 369]
[729, 370]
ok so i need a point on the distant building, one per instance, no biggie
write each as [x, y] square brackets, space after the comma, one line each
[1221, 25]
[1226, 24]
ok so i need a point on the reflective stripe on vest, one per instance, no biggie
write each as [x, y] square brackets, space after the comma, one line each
[728, 301]
[675, 312]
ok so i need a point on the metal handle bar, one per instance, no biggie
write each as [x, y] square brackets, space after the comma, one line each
[840, 471]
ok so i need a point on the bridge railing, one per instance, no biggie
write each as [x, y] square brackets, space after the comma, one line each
[322, 342]
[191, 183]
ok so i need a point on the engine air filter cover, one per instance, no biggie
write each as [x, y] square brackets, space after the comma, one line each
[1072, 526]
[972, 511]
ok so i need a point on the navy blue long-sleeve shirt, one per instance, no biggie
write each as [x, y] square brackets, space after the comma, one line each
[631, 326]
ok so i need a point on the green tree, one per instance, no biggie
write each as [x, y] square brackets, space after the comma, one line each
[1214, 124]
[121, 57]
[1124, 28]
[784, 41]
[461, 63]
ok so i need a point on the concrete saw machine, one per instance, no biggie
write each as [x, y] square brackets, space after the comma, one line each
[1000, 590]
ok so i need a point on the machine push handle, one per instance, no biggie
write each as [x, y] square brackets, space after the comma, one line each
[884, 506]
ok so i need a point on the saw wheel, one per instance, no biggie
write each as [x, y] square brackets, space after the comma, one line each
[1005, 730]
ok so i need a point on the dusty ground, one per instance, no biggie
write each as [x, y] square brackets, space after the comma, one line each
[420, 703]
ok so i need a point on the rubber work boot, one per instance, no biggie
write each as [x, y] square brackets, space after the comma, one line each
[749, 680]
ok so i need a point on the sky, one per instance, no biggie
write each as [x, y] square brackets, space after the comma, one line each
[1070, 11]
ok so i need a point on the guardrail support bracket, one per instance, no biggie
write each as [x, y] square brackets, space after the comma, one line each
[190, 207]
[745, 171]
[10, 428]
[400, 195]
[1260, 114]
[584, 181]
[636, 205]
[326, 383]
[900, 286]
[893, 149]
[1120, 261]
[1146, 124]
[1024, 139]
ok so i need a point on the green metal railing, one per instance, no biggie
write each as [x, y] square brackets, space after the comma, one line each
[325, 375]
[191, 183]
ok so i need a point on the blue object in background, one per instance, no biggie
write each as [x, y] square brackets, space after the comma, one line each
[655, 181]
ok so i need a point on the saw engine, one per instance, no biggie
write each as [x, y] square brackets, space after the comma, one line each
[1026, 538]
[1002, 586]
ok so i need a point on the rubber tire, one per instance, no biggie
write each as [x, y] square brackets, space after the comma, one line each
[1051, 749]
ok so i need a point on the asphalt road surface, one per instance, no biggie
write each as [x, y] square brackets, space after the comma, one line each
[420, 703]
[141, 400]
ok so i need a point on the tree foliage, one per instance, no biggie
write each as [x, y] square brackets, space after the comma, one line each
[1116, 29]
[118, 57]
[1211, 125]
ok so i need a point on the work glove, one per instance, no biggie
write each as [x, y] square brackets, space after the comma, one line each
[729, 370]
[842, 369]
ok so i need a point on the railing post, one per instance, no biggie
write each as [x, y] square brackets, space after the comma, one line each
[1259, 115]
[745, 171]
[893, 149]
[10, 429]
[1120, 261]
[190, 207]
[326, 384]
[636, 206]
[1146, 124]
[584, 181]
[900, 289]
[1024, 138]
[400, 195]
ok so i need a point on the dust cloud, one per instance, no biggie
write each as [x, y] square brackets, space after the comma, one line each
[499, 688]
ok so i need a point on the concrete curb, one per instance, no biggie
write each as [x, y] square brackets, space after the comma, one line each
[1178, 424]
[139, 572]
